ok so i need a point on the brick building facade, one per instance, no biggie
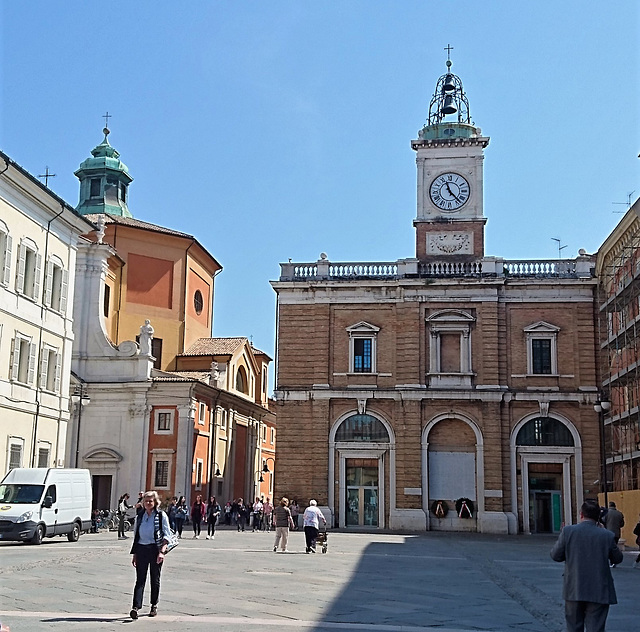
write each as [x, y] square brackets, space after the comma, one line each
[449, 391]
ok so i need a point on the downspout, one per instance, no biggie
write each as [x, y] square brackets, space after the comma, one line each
[184, 303]
[40, 330]
[212, 443]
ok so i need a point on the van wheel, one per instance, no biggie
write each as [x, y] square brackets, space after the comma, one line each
[75, 533]
[38, 536]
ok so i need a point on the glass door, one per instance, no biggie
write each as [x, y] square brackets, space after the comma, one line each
[362, 493]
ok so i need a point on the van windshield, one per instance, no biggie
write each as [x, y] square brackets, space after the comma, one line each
[25, 494]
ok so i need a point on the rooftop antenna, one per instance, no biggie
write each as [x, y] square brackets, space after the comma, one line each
[627, 203]
[46, 175]
[560, 248]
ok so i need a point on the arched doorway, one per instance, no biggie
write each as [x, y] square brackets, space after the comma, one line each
[358, 446]
[543, 451]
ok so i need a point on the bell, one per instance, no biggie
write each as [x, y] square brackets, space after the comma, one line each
[448, 84]
[449, 107]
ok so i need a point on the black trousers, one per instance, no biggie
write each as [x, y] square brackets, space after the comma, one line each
[146, 561]
[585, 615]
[211, 525]
[310, 535]
[121, 518]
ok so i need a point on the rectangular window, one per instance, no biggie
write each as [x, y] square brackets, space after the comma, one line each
[23, 360]
[95, 187]
[50, 369]
[15, 453]
[199, 468]
[123, 192]
[541, 352]
[362, 355]
[29, 271]
[107, 301]
[163, 421]
[161, 478]
[202, 411]
[5, 257]
[43, 456]
[156, 352]
[264, 434]
[273, 436]
[55, 288]
[223, 420]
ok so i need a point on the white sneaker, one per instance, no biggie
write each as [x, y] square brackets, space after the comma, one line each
[286, 551]
[213, 537]
[208, 537]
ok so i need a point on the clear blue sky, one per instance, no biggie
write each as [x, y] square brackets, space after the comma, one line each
[276, 130]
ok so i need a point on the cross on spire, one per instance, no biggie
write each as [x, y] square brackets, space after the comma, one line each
[449, 48]
[106, 118]
[46, 175]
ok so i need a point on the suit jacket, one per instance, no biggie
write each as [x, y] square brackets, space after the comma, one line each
[614, 521]
[587, 549]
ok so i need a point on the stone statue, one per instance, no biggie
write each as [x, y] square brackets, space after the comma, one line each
[101, 228]
[215, 372]
[146, 336]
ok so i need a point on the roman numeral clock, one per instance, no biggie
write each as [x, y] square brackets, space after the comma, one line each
[449, 157]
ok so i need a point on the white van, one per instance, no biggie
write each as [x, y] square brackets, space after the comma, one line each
[43, 502]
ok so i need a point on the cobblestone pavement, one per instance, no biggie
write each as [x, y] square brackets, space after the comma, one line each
[376, 582]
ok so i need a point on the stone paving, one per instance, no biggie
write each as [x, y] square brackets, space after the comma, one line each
[377, 582]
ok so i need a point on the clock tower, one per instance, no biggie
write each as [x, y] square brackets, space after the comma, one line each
[449, 156]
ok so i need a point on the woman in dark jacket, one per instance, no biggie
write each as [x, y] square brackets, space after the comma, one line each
[213, 511]
[197, 514]
[182, 511]
[150, 540]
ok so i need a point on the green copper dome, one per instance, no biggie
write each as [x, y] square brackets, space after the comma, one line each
[104, 182]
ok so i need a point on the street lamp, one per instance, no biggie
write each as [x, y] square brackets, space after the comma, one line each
[265, 467]
[80, 398]
[217, 474]
[601, 407]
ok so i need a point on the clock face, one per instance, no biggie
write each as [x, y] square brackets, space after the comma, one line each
[449, 192]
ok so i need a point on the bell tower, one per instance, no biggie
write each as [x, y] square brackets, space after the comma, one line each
[104, 181]
[449, 157]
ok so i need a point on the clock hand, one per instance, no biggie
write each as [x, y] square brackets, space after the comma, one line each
[451, 192]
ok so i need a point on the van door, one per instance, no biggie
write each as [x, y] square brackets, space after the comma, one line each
[50, 515]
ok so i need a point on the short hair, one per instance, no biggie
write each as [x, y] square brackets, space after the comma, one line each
[313, 503]
[152, 494]
[612, 504]
[590, 510]
[284, 501]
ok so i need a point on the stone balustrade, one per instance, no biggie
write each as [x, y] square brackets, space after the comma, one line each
[325, 270]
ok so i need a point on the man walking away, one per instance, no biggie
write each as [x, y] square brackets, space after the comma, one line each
[588, 590]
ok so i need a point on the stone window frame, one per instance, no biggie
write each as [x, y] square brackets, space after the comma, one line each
[156, 421]
[5, 254]
[199, 472]
[29, 269]
[161, 456]
[56, 285]
[49, 379]
[11, 442]
[363, 331]
[23, 363]
[202, 413]
[542, 331]
[450, 321]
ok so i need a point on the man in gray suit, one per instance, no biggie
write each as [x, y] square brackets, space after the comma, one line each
[587, 551]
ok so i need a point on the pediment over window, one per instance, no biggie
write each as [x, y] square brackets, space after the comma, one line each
[542, 327]
[103, 455]
[451, 316]
[363, 328]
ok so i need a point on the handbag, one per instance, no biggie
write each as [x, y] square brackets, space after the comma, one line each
[172, 540]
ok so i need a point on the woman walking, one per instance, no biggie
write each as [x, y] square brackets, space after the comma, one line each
[123, 505]
[312, 517]
[150, 540]
[197, 514]
[282, 520]
[182, 511]
[213, 511]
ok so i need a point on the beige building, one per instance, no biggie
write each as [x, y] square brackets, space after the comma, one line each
[39, 233]
[446, 391]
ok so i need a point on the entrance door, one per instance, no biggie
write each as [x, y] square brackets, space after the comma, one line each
[545, 511]
[361, 502]
[101, 492]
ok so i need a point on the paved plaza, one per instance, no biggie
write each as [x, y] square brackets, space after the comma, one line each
[377, 582]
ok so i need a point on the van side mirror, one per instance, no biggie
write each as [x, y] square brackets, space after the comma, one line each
[48, 502]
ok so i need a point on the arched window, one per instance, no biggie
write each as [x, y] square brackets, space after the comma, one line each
[241, 381]
[362, 428]
[543, 431]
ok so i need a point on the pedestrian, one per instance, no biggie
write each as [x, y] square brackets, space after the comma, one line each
[257, 514]
[182, 511]
[312, 517]
[614, 521]
[282, 521]
[139, 504]
[123, 505]
[151, 533]
[172, 512]
[213, 511]
[295, 512]
[241, 514]
[227, 514]
[636, 532]
[267, 510]
[197, 514]
[588, 590]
